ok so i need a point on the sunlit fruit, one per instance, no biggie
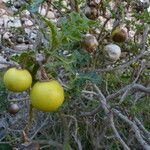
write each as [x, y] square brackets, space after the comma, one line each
[17, 80]
[89, 43]
[112, 52]
[119, 35]
[47, 96]
[13, 108]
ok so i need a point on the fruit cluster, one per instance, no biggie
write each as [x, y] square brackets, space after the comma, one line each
[45, 96]
[112, 52]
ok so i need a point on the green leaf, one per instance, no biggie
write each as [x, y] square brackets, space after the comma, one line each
[5, 147]
[3, 94]
[79, 81]
[25, 59]
[80, 58]
[83, 77]
[91, 76]
[54, 34]
[74, 25]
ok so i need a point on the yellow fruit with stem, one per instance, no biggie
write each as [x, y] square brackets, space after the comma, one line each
[17, 80]
[47, 96]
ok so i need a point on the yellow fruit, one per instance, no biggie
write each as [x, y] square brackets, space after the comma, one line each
[47, 96]
[17, 80]
[119, 35]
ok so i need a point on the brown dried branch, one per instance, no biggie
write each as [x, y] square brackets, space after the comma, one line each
[135, 129]
[127, 88]
[106, 108]
[117, 134]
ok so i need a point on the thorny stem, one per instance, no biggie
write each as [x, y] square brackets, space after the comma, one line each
[26, 130]
[18, 100]
[66, 144]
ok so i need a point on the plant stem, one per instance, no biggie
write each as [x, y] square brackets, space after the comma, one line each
[66, 145]
[26, 130]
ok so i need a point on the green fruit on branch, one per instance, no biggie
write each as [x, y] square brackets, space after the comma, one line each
[47, 96]
[13, 108]
[119, 35]
[17, 80]
[89, 43]
[112, 52]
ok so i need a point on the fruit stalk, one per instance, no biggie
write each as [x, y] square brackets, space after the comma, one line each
[26, 130]
[66, 144]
